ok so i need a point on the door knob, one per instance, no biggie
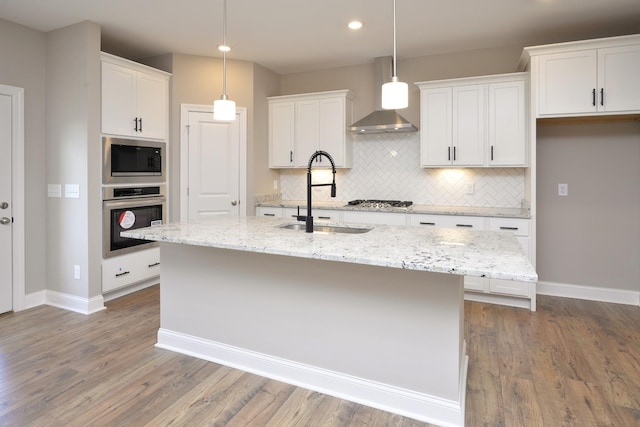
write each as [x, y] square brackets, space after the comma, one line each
[4, 220]
[234, 202]
[4, 205]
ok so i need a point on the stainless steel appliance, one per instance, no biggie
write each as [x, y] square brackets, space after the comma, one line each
[127, 208]
[130, 161]
[380, 204]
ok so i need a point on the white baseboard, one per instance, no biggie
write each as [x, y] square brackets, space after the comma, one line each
[408, 403]
[592, 293]
[35, 299]
[65, 301]
[130, 289]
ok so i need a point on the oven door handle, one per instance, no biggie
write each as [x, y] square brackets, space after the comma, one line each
[134, 202]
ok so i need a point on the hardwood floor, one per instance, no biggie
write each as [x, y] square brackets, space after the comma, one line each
[572, 363]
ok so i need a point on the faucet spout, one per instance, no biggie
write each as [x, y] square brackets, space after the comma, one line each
[319, 153]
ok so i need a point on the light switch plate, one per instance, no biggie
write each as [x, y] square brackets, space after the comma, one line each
[563, 189]
[72, 191]
[54, 190]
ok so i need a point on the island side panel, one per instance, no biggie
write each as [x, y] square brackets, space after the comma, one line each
[402, 328]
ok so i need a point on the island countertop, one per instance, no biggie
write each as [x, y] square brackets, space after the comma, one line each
[464, 252]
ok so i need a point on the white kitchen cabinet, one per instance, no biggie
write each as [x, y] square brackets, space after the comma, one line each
[473, 122]
[281, 134]
[129, 269]
[507, 123]
[591, 77]
[332, 215]
[364, 217]
[269, 211]
[135, 99]
[300, 125]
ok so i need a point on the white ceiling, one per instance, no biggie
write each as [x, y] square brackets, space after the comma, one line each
[299, 35]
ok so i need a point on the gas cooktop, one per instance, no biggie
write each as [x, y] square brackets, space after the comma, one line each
[380, 204]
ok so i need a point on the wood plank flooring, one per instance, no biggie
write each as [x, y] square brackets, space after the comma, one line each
[572, 363]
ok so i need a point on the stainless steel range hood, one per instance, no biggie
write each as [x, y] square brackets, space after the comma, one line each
[381, 121]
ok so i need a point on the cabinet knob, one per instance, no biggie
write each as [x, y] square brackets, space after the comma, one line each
[234, 202]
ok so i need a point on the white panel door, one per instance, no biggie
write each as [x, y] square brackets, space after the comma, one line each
[6, 259]
[469, 120]
[618, 78]
[118, 99]
[435, 125]
[152, 105]
[214, 168]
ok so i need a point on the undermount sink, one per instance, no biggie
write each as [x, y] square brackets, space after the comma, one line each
[319, 228]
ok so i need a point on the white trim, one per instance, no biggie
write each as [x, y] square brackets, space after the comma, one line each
[17, 194]
[66, 301]
[241, 116]
[591, 293]
[35, 299]
[111, 295]
[401, 401]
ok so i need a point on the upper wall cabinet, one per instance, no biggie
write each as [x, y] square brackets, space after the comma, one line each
[135, 99]
[299, 125]
[474, 122]
[585, 78]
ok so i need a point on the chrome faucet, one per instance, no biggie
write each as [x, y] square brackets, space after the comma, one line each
[309, 218]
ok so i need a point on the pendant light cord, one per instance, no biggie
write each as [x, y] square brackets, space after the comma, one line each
[395, 71]
[224, 51]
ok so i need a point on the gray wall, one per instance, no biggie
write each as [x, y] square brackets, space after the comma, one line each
[23, 65]
[73, 157]
[592, 236]
[198, 80]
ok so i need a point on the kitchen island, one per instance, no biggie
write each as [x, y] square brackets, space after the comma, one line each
[376, 317]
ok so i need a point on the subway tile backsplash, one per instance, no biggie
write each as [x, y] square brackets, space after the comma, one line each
[387, 166]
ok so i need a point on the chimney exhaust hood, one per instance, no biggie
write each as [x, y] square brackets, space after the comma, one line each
[382, 121]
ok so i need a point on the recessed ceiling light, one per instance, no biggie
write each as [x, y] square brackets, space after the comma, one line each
[224, 48]
[355, 25]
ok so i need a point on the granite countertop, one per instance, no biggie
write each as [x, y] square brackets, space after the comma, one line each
[413, 209]
[467, 252]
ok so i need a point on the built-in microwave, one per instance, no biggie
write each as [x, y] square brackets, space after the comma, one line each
[130, 161]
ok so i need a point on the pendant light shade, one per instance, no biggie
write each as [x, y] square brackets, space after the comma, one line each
[224, 109]
[395, 94]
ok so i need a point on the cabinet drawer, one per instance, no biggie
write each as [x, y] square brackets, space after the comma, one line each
[463, 222]
[318, 214]
[478, 284]
[509, 287]
[426, 220]
[269, 211]
[519, 227]
[128, 269]
[385, 218]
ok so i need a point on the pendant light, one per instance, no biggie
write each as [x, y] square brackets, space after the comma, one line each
[224, 109]
[395, 94]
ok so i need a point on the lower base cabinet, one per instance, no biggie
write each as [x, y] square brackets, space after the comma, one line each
[126, 270]
[506, 292]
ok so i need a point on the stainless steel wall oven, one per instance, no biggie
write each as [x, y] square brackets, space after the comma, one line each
[127, 208]
[130, 161]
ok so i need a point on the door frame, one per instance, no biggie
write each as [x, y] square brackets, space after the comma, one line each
[241, 116]
[17, 194]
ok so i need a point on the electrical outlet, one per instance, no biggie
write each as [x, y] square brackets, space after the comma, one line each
[76, 272]
[563, 189]
[469, 188]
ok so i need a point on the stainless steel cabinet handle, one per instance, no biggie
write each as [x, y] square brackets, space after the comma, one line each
[122, 274]
[4, 205]
[153, 265]
[4, 220]
[509, 228]
[464, 225]
[324, 217]
[269, 214]
[427, 223]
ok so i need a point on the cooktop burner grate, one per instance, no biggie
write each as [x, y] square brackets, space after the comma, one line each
[380, 204]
